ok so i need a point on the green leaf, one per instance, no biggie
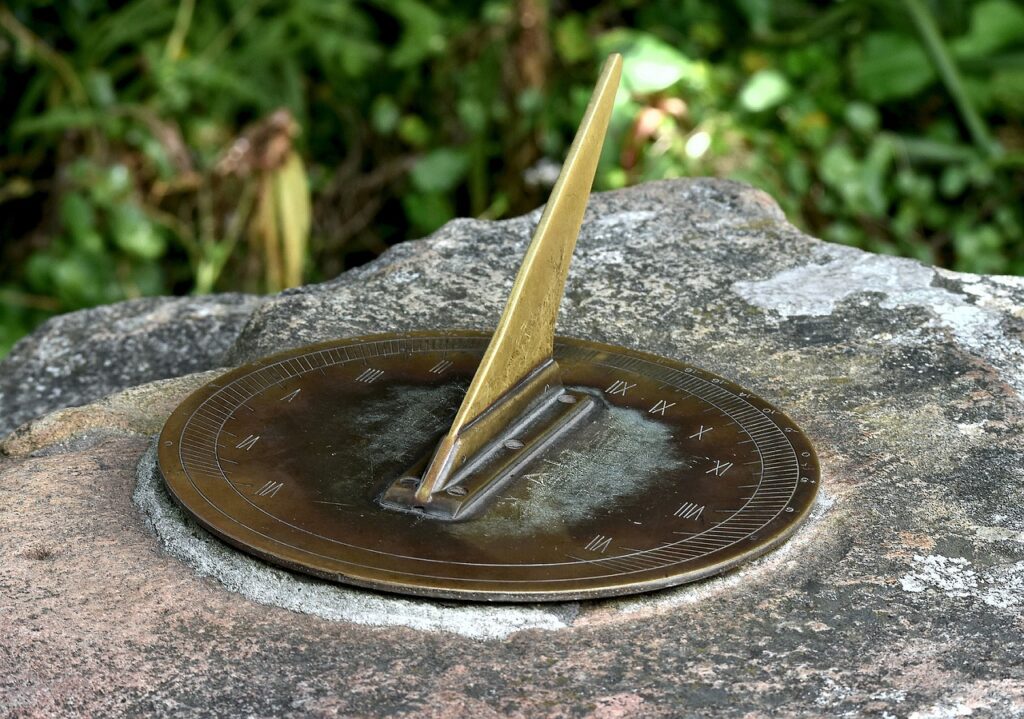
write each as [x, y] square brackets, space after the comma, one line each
[77, 215]
[148, 278]
[860, 184]
[891, 66]
[1006, 88]
[954, 180]
[100, 87]
[650, 65]
[440, 170]
[862, 117]
[384, 114]
[74, 281]
[838, 166]
[876, 166]
[994, 25]
[80, 280]
[133, 233]
[108, 185]
[979, 249]
[571, 39]
[359, 56]
[39, 271]
[530, 101]
[473, 114]
[422, 32]
[758, 13]
[844, 233]
[427, 211]
[414, 131]
[764, 90]
[59, 119]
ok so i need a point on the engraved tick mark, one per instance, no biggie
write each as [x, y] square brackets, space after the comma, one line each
[370, 375]
[599, 544]
[720, 468]
[690, 511]
[699, 434]
[269, 489]
[248, 442]
[620, 387]
[660, 407]
[440, 367]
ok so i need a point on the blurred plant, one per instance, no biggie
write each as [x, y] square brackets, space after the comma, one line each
[867, 126]
[156, 146]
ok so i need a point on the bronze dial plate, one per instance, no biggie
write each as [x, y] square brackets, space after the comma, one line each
[683, 476]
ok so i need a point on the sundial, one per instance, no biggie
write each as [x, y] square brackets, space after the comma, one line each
[512, 466]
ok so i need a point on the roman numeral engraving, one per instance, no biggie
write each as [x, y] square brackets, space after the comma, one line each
[290, 396]
[269, 489]
[619, 387]
[248, 442]
[440, 367]
[690, 511]
[660, 407]
[720, 468]
[598, 544]
[699, 434]
[370, 375]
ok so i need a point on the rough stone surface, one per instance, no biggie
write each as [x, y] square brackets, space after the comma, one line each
[79, 357]
[902, 597]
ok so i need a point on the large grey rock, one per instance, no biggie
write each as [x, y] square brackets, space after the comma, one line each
[79, 357]
[902, 597]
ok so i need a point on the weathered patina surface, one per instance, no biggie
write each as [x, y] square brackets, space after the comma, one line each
[903, 595]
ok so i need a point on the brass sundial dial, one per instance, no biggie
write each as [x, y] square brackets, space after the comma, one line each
[517, 466]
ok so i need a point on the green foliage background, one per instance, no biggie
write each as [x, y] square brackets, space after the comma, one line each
[142, 142]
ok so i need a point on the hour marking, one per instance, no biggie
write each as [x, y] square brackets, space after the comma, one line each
[660, 407]
[370, 375]
[269, 489]
[690, 511]
[440, 367]
[699, 434]
[599, 544]
[248, 442]
[620, 387]
[720, 468]
[290, 396]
